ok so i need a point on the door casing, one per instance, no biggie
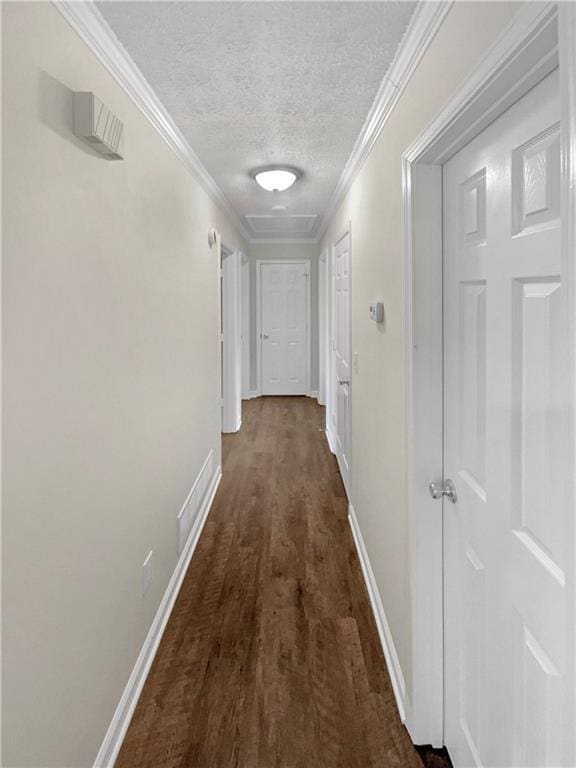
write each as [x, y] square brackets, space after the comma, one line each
[329, 375]
[259, 263]
[322, 326]
[538, 38]
[231, 357]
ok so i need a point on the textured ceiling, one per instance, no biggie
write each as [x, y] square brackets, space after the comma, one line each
[258, 83]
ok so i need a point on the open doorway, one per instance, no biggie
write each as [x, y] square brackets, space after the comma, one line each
[230, 340]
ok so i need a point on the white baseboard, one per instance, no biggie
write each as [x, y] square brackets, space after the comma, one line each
[112, 742]
[330, 439]
[314, 393]
[251, 394]
[392, 660]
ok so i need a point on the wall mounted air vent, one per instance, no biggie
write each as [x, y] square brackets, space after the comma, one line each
[96, 125]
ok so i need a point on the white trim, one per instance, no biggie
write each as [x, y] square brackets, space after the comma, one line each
[259, 262]
[232, 347]
[331, 396]
[314, 394]
[567, 42]
[87, 21]
[524, 53]
[322, 325]
[386, 639]
[112, 742]
[422, 29]
[330, 441]
[251, 394]
[245, 274]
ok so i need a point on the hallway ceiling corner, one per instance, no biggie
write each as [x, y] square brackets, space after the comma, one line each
[250, 84]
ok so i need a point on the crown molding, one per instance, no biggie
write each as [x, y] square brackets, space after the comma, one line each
[87, 21]
[423, 26]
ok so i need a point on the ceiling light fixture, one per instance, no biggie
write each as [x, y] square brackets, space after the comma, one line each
[276, 178]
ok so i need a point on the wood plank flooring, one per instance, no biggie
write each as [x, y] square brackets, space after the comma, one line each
[271, 658]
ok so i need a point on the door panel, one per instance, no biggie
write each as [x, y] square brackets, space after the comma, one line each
[506, 407]
[284, 324]
[341, 356]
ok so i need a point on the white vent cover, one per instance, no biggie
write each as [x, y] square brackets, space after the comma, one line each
[297, 223]
[94, 123]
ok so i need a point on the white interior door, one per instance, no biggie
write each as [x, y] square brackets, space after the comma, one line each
[322, 344]
[341, 356]
[284, 328]
[508, 619]
[230, 342]
[245, 323]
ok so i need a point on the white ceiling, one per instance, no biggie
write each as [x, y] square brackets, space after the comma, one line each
[258, 83]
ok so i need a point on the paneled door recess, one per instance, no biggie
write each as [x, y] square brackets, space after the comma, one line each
[508, 627]
[284, 328]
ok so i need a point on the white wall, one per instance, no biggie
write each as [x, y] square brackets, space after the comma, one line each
[374, 207]
[111, 390]
[285, 252]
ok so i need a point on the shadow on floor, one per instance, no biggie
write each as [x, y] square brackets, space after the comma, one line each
[434, 758]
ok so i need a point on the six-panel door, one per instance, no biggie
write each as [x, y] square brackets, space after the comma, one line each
[507, 627]
[284, 324]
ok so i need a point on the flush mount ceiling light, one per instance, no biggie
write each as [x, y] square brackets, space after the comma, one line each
[276, 178]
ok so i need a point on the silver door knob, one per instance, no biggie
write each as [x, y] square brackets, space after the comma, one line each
[343, 381]
[435, 490]
[447, 488]
[265, 336]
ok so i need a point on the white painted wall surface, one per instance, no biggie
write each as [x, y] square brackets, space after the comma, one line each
[374, 208]
[110, 358]
[286, 252]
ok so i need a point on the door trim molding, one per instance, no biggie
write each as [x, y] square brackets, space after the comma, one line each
[523, 54]
[231, 359]
[567, 41]
[245, 305]
[331, 409]
[259, 263]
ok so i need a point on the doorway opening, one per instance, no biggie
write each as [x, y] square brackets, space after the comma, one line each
[338, 349]
[230, 340]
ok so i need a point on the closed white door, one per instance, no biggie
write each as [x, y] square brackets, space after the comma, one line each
[341, 356]
[284, 328]
[508, 614]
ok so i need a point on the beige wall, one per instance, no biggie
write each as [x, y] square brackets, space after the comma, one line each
[110, 388]
[286, 252]
[374, 207]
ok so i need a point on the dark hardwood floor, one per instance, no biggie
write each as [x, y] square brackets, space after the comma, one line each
[271, 657]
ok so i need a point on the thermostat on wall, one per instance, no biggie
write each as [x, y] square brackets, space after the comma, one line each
[377, 312]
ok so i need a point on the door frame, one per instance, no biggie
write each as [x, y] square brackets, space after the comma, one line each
[231, 355]
[245, 325]
[259, 263]
[322, 325]
[331, 405]
[539, 37]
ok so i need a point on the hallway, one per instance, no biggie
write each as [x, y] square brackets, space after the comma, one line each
[271, 657]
